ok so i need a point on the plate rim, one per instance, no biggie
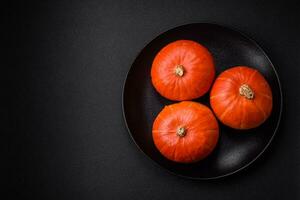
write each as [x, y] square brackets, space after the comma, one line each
[280, 109]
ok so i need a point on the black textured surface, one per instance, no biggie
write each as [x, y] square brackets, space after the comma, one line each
[67, 139]
[236, 149]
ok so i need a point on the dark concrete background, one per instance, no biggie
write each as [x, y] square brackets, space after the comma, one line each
[68, 64]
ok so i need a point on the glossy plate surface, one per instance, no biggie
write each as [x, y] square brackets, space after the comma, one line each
[236, 149]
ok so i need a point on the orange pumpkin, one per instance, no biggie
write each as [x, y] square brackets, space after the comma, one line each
[182, 70]
[185, 132]
[241, 98]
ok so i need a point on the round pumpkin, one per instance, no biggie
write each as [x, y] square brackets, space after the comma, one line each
[182, 70]
[241, 98]
[185, 132]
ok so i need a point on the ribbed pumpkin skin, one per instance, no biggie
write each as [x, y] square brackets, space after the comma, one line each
[198, 75]
[202, 132]
[235, 110]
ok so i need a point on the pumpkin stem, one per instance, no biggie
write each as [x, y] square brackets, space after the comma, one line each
[179, 70]
[246, 91]
[181, 132]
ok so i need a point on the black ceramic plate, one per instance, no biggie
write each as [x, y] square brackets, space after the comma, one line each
[236, 149]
